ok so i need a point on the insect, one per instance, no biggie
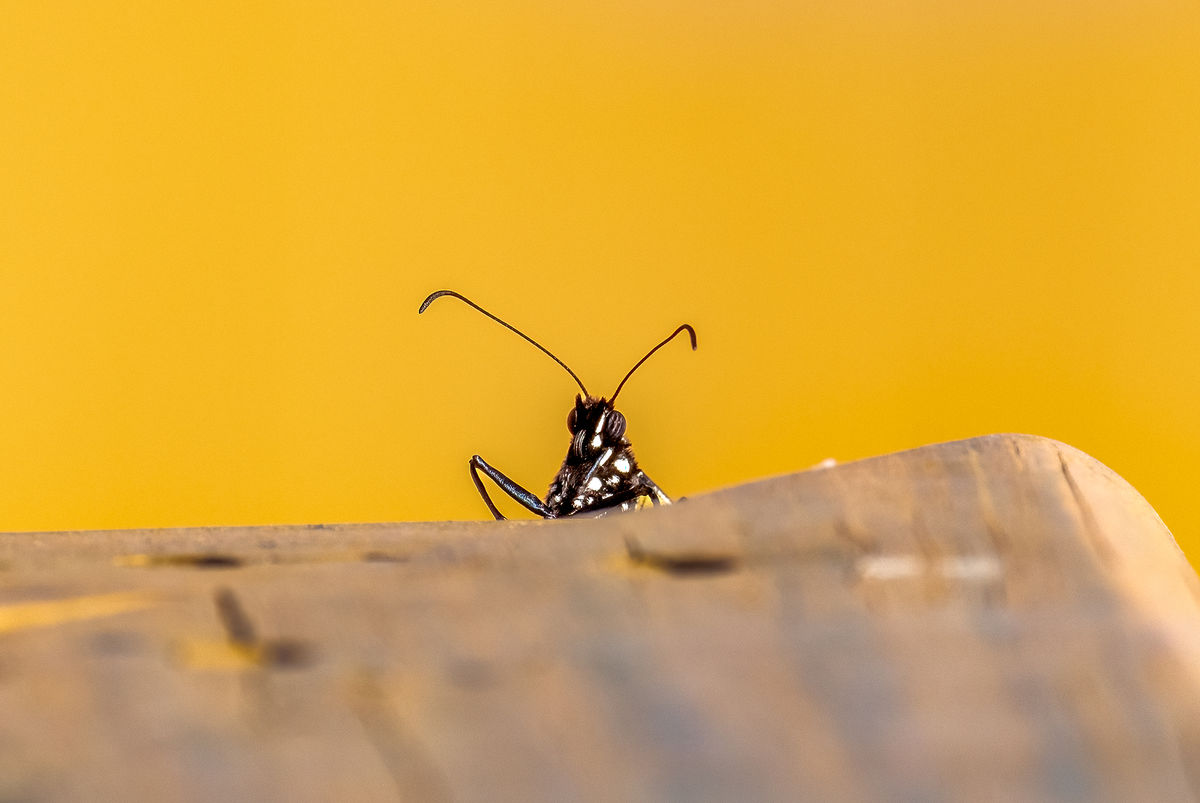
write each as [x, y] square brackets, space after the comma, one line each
[599, 474]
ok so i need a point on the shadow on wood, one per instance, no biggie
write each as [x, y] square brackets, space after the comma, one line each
[998, 618]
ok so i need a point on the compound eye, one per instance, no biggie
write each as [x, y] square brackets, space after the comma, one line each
[579, 443]
[614, 426]
[571, 420]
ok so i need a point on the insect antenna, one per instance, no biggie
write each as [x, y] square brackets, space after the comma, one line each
[691, 332]
[434, 296]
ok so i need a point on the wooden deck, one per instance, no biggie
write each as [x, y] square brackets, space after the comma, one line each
[995, 619]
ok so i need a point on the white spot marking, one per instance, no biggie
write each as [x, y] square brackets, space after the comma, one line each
[977, 568]
[600, 423]
[613, 479]
[594, 483]
[596, 441]
[889, 567]
[621, 465]
[971, 567]
[577, 503]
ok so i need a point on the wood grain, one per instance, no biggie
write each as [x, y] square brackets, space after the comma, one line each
[1001, 618]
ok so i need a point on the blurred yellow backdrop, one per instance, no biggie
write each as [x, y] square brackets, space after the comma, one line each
[890, 224]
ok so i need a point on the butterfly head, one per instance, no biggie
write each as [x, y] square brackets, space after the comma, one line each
[595, 425]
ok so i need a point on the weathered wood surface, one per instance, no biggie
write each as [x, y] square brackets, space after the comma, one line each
[995, 619]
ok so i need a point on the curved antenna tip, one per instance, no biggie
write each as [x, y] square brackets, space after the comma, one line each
[439, 293]
[691, 333]
[436, 295]
[682, 328]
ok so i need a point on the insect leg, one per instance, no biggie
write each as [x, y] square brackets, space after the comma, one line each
[522, 496]
[656, 494]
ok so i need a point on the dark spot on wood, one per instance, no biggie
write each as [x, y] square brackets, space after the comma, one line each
[683, 564]
[212, 561]
[383, 557]
[278, 653]
[238, 627]
[199, 560]
[286, 653]
[693, 565]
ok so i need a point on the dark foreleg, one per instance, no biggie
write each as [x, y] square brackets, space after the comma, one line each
[522, 496]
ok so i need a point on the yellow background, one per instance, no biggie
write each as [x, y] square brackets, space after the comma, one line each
[891, 224]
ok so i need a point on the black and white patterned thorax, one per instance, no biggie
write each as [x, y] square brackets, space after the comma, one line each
[599, 474]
